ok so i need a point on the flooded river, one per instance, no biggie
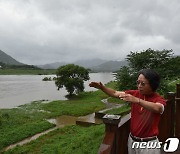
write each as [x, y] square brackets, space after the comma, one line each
[17, 90]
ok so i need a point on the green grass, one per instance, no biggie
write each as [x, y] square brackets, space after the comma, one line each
[10, 136]
[67, 140]
[115, 100]
[172, 84]
[83, 104]
[17, 124]
[121, 110]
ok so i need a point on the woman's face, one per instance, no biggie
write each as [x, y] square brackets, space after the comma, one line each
[143, 85]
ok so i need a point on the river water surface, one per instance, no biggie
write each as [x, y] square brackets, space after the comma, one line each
[17, 90]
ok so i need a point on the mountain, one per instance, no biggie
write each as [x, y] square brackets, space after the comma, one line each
[96, 65]
[109, 66]
[6, 59]
[52, 65]
[85, 63]
[88, 63]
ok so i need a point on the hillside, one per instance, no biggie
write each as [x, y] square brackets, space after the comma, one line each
[89, 63]
[85, 63]
[52, 65]
[96, 65]
[6, 59]
[109, 66]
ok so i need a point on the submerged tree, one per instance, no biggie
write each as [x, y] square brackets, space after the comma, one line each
[71, 77]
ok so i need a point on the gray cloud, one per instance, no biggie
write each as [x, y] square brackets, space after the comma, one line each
[43, 31]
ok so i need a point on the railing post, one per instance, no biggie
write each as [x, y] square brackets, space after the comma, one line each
[177, 114]
[108, 145]
[123, 134]
[166, 125]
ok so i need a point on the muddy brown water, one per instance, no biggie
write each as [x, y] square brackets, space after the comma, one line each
[18, 90]
[65, 120]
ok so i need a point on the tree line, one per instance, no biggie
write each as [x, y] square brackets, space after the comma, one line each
[7, 66]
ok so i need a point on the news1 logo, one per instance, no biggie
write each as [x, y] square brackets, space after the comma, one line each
[171, 144]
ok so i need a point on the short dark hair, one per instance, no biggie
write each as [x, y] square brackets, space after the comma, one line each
[152, 76]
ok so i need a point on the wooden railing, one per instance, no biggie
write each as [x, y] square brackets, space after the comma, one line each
[117, 129]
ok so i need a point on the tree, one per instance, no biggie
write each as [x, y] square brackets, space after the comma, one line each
[151, 59]
[124, 79]
[72, 77]
[173, 67]
[161, 61]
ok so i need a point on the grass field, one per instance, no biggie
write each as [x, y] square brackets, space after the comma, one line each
[67, 140]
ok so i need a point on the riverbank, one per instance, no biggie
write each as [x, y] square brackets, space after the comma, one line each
[27, 120]
[18, 71]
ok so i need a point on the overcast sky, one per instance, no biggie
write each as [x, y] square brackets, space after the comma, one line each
[46, 31]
